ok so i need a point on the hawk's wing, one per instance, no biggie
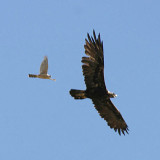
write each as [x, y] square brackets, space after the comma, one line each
[93, 67]
[44, 66]
[110, 113]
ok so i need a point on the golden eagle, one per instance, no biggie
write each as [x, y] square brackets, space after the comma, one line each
[93, 71]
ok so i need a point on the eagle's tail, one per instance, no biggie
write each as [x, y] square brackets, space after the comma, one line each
[78, 94]
[32, 75]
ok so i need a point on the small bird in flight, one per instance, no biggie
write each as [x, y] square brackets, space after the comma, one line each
[43, 71]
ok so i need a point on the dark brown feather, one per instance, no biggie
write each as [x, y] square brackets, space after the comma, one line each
[93, 71]
[110, 113]
[93, 67]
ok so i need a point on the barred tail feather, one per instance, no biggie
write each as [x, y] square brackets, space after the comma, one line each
[32, 75]
[78, 94]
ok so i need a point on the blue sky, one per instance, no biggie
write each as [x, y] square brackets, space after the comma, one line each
[38, 118]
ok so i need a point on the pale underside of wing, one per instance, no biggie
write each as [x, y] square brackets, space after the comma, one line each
[44, 66]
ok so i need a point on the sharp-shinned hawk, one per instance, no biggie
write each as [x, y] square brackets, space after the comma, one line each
[43, 71]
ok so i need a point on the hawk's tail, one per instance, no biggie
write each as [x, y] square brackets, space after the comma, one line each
[32, 75]
[78, 94]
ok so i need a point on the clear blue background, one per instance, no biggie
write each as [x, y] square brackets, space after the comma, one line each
[39, 120]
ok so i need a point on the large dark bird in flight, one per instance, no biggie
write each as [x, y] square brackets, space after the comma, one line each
[93, 71]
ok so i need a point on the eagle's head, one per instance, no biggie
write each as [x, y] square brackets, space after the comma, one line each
[111, 94]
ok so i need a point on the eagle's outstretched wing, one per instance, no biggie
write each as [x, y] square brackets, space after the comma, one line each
[93, 71]
[110, 113]
[93, 67]
[44, 66]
